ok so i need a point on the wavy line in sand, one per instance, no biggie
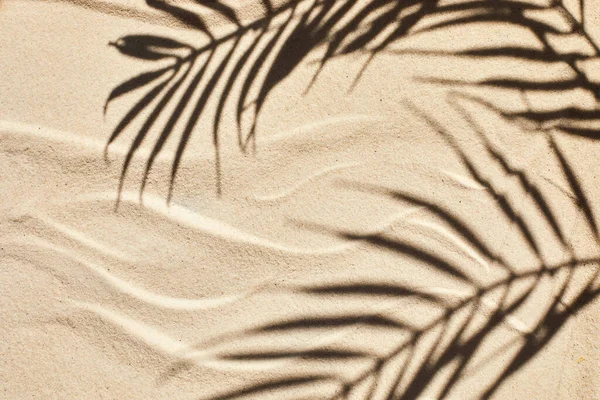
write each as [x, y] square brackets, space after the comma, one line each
[217, 228]
[168, 346]
[220, 229]
[60, 136]
[463, 181]
[149, 335]
[41, 132]
[289, 191]
[458, 179]
[140, 294]
[85, 240]
[186, 217]
[453, 238]
[325, 122]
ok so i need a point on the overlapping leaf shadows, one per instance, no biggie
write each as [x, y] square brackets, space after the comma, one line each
[244, 65]
[560, 40]
[421, 340]
[403, 357]
[252, 59]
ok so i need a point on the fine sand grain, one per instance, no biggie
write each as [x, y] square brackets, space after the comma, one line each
[388, 233]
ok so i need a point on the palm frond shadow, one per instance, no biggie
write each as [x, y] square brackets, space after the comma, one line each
[409, 356]
[552, 26]
[244, 65]
[258, 56]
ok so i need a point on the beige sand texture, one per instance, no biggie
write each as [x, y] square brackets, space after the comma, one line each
[309, 199]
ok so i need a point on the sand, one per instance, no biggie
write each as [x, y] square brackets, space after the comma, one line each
[370, 243]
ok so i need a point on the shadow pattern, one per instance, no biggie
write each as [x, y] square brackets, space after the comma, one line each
[409, 357]
[253, 58]
[553, 26]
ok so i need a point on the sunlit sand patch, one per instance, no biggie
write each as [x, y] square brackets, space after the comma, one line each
[329, 123]
[85, 240]
[460, 180]
[210, 226]
[147, 334]
[51, 134]
[191, 219]
[291, 190]
[182, 351]
[139, 293]
[165, 344]
[70, 139]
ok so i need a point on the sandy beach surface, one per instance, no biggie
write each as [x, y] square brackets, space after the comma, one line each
[384, 235]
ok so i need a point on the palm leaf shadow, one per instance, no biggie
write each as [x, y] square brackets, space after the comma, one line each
[258, 57]
[264, 52]
[553, 23]
[457, 334]
[261, 55]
